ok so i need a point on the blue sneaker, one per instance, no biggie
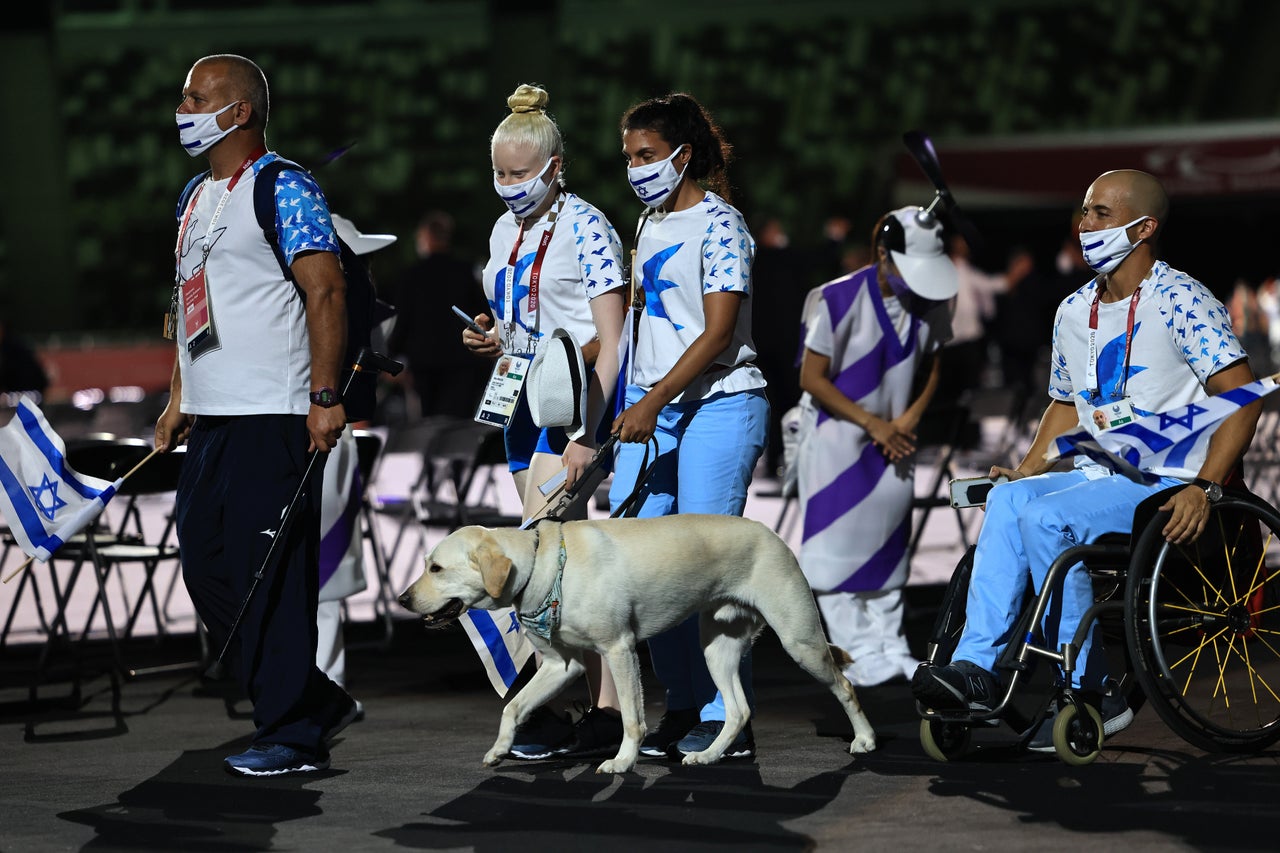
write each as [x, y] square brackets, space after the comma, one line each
[274, 759]
[1114, 710]
[701, 736]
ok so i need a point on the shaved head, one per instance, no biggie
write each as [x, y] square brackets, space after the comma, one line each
[243, 80]
[1141, 192]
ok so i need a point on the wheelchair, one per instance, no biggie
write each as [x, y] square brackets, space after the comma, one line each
[1193, 630]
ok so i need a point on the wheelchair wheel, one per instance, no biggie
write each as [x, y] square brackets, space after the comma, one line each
[1077, 742]
[944, 741]
[1204, 626]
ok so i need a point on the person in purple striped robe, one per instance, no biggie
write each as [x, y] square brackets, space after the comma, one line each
[868, 337]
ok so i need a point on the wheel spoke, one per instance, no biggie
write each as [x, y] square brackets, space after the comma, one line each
[1227, 551]
[1194, 653]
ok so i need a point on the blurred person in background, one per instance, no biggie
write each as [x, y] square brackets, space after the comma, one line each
[445, 379]
[965, 358]
[779, 284]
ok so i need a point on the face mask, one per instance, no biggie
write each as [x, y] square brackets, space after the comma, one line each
[653, 182]
[1105, 249]
[199, 131]
[898, 285]
[523, 198]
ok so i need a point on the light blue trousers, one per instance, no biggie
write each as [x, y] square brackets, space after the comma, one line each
[707, 450]
[1029, 522]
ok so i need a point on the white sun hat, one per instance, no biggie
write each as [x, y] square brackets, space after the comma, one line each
[557, 383]
[361, 244]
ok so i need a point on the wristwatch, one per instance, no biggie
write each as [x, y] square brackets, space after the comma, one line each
[1211, 489]
[325, 398]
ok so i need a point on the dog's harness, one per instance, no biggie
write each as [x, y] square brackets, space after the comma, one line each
[546, 618]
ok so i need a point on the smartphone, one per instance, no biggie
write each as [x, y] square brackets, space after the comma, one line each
[972, 491]
[466, 318]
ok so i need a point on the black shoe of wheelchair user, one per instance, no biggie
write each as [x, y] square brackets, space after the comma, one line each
[957, 685]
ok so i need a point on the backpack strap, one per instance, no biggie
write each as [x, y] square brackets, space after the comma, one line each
[185, 198]
[264, 208]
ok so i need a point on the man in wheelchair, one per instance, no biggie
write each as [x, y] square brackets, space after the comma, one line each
[1139, 338]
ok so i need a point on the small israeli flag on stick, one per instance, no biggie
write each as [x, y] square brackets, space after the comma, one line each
[1164, 439]
[42, 499]
[500, 642]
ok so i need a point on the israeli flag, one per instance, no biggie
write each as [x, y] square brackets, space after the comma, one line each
[1164, 439]
[43, 501]
[500, 642]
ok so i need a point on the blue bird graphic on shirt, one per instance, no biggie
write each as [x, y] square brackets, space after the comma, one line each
[1110, 364]
[519, 292]
[653, 285]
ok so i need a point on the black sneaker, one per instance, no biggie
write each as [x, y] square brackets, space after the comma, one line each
[957, 685]
[673, 726]
[543, 734]
[1116, 717]
[351, 712]
[597, 732]
[701, 736]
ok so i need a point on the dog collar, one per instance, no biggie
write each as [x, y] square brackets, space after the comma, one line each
[546, 618]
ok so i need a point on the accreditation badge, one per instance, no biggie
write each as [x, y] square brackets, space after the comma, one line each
[197, 318]
[504, 388]
[1111, 415]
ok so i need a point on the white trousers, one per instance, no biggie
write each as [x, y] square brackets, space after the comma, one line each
[865, 624]
[331, 649]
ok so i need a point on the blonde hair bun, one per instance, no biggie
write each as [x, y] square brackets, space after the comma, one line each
[528, 99]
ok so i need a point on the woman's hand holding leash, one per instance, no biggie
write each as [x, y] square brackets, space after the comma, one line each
[577, 455]
[636, 424]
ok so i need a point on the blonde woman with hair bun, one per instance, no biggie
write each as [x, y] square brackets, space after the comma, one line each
[554, 262]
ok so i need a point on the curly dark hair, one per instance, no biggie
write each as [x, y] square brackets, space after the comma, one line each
[680, 120]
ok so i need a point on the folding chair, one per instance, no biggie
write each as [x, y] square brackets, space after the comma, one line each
[459, 457]
[105, 551]
[941, 433]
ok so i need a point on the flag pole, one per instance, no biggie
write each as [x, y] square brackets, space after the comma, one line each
[18, 570]
[132, 471]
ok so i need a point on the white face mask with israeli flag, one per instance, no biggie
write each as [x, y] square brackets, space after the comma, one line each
[653, 182]
[1106, 249]
[199, 131]
[523, 198]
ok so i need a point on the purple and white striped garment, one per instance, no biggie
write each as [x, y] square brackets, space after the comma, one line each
[857, 518]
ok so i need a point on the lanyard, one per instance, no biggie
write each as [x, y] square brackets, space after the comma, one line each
[217, 213]
[1092, 379]
[535, 273]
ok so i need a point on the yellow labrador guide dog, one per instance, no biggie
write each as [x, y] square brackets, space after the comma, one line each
[605, 585]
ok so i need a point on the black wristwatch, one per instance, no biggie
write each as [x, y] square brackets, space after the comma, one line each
[325, 398]
[1211, 489]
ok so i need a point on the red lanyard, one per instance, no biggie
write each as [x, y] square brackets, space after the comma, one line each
[1095, 384]
[535, 274]
[231, 185]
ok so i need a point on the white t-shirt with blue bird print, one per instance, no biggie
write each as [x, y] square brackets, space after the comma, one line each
[261, 363]
[583, 260]
[681, 257]
[1181, 336]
